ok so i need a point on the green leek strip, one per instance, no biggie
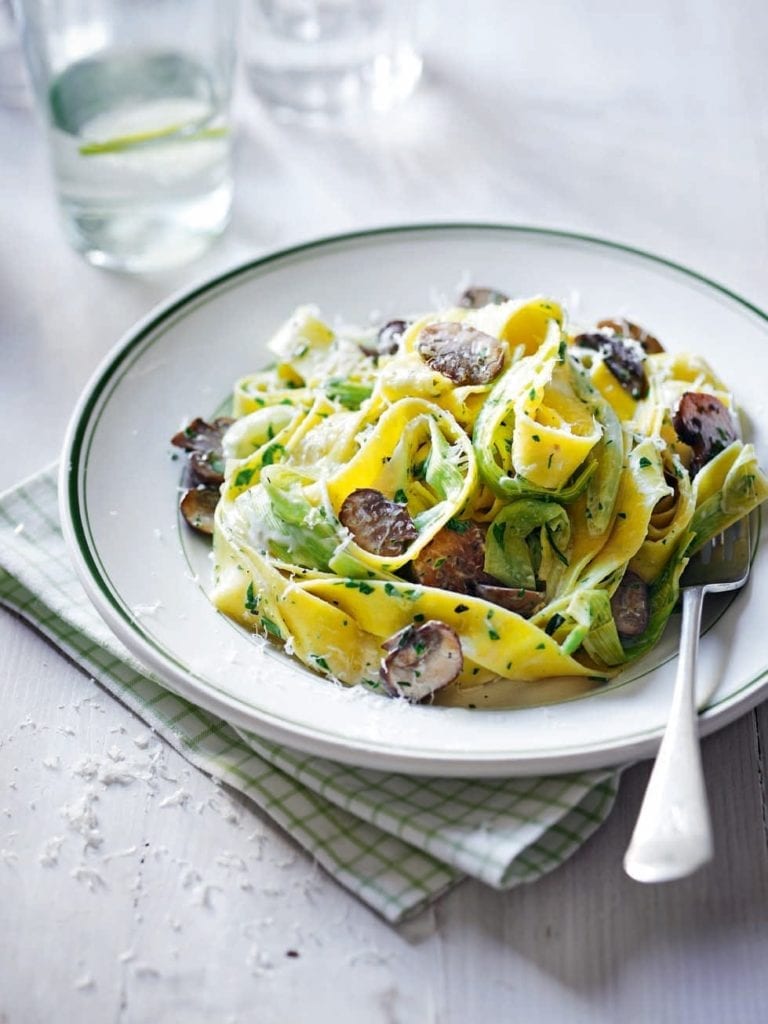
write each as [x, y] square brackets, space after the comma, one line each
[518, 487]
[175, 132]
[442, 472]
[608, 454]
[591, 609]
[508, 554]
[745, 486]
[496, 412]
[349, 393]
[300, 533]
[285, 515]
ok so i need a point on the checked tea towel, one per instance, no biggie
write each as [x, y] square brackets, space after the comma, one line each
[395, 841]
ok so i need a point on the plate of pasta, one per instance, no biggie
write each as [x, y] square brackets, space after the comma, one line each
[421, 498]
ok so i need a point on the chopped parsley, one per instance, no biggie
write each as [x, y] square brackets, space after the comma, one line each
[644, 463]
[400, 497]
[555, 548]
[554, 623]
[350, 394]
[271, 627]
[251, 600]
[361, 585]
[268, 457]
[458, 525]
[244, 477]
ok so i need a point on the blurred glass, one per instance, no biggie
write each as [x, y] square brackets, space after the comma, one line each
[135, 97]
[322, 58]
[13, 80]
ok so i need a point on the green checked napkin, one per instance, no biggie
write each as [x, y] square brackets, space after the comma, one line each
[395, 841]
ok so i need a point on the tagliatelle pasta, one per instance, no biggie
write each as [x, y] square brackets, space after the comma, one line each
[475, 496]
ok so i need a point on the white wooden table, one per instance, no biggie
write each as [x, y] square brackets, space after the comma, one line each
[647, 124]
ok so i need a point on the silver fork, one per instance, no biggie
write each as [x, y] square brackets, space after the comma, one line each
[673, 833]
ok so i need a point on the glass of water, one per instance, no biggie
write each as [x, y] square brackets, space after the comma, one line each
[322, 58]
[135, 95]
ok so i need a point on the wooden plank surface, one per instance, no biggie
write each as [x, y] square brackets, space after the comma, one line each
[648, 125]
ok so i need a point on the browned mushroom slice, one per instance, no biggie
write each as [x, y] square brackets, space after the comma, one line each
[461, 353]
[421, 660]
[630, 605]
[476, 297]
[198, 505]
[200, 436]
[453, 559]
[626, 329]
[387, 341]
[203, 441]
[621, 359]
[515, 599]
[378, 525]
[206, 468]
[704, 423]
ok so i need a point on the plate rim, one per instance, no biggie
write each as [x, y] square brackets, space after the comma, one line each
[177, 676]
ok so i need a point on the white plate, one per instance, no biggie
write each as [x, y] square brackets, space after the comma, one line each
[118, 495]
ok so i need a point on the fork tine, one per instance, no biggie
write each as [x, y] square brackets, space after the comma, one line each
[723, 563]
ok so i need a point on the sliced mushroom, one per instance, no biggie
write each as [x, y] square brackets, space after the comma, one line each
[387, 340]
[198, 505]
[461, 353]
[390, 335]
[626, 329]
[515, 599]
[704, 423]
[453, 559]
[378, 525]
[621, 358]
[630, 605]
[475, 297]
[205, 470]
[203, 441]
[421, 660]
[200, 436]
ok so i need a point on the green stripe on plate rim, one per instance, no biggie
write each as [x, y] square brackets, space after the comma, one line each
[132, 345]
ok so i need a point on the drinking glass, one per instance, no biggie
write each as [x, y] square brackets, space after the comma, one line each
[321, 58]
[13, 83]
[135, 97]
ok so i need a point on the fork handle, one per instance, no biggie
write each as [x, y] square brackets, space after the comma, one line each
[673, 833]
